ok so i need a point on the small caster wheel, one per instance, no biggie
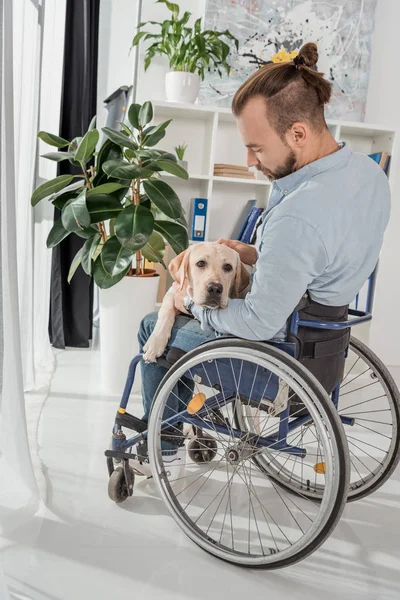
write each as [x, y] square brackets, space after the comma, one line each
[202, 449]
[118, 491]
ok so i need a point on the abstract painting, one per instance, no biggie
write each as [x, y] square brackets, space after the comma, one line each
[271, 30]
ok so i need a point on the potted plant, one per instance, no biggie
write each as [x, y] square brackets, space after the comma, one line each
[180, 152]
[112, 206]
[191, 52]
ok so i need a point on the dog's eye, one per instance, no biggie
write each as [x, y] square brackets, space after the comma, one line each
[201, 264]
[228, 268]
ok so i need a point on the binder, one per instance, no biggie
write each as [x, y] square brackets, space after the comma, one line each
[247, 234]
[198, 215]
[243, 219]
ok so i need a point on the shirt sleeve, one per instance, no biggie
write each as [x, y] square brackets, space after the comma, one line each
[291, 255]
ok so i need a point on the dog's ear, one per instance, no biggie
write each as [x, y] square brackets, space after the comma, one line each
[242, 278]
[178, 267]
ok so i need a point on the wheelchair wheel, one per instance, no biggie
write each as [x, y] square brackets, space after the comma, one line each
[369, 407]
[230, 507]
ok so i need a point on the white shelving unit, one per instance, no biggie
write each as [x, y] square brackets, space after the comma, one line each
[212, 137]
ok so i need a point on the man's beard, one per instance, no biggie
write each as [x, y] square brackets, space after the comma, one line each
[287, 168]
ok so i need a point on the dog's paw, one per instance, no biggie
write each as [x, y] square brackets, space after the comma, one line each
[153, 348]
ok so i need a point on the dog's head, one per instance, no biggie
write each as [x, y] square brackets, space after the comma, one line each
[212, 273]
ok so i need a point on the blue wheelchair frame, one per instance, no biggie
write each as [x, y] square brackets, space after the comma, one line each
[276, 441]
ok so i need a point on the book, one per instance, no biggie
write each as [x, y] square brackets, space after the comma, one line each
[254, 234]
[255, 213]
[232, 167]
[382, 159]
[242, 221]
[235, 175]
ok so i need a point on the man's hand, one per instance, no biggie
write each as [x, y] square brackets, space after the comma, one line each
[247, 253]
[179, 296]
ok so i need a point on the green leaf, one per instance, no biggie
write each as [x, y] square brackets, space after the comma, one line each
[75, 215]
[57, 156]
[125, 128]
[176, 235]
[72, 148]
[102, 207]
[88, 249]
[154, 250]
[173, 168]
[106, 188]
[61, 200]
[133, 227]
[145, 114]
[57, 234]
[155, 134]
[87, 232]
[92, 123]
[108, 151]
[121, 170]
[53, 140]
[118, 137]
[133, 115]
[164, 197]
[50, 187]
[102, 278]
[138, 37]
[87, 146]
[75, 264]
[115, 258]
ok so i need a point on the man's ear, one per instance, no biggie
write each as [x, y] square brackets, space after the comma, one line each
[242, 278]
[178, 267]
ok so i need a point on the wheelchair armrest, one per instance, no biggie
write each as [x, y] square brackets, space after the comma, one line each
[358, 318]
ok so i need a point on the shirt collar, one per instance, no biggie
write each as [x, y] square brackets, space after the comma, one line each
[291, 182]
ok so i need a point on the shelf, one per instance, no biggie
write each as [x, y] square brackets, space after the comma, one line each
[239, 180]
[195, 176]
[172, 110]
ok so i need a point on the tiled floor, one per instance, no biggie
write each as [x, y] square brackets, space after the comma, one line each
[82, 546]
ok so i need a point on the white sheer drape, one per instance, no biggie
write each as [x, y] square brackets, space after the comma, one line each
[31, 72]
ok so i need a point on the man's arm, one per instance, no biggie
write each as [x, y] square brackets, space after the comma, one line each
[292, 255]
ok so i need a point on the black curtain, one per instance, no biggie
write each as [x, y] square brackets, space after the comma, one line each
[71, 305]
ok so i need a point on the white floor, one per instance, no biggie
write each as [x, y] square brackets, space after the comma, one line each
[83, 546]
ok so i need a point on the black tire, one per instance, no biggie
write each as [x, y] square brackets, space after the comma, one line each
[326, 412]
[117, 489]
[381, 373]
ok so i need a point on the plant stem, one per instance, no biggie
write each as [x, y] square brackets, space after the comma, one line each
[100, 226]
[86, 176]
[136, 202]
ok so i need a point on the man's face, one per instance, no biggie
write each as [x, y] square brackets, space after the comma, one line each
[265, 149]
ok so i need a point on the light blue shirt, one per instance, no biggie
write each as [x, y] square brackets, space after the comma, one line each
[322, 232]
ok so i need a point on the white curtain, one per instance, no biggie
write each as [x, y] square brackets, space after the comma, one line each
[31, 70]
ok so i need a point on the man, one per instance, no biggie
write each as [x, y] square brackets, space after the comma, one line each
[323, 229]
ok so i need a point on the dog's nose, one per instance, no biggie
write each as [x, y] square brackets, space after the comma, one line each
[214, 289]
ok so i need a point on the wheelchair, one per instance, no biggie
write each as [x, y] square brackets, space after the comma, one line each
[270, 458]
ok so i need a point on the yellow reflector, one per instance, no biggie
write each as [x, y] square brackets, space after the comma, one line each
[196, 403]
[320, 468]
[122, 411]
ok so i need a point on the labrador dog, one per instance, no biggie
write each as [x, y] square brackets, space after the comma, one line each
[210, 273]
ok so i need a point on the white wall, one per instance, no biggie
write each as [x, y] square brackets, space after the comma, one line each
[115, 61]
[383, 108]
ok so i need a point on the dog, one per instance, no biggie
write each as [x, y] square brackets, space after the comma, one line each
[210, 273]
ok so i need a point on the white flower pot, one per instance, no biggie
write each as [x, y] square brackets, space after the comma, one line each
[181, 86]
[122, 308]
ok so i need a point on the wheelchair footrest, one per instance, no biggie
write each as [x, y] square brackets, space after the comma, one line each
[122, 455]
